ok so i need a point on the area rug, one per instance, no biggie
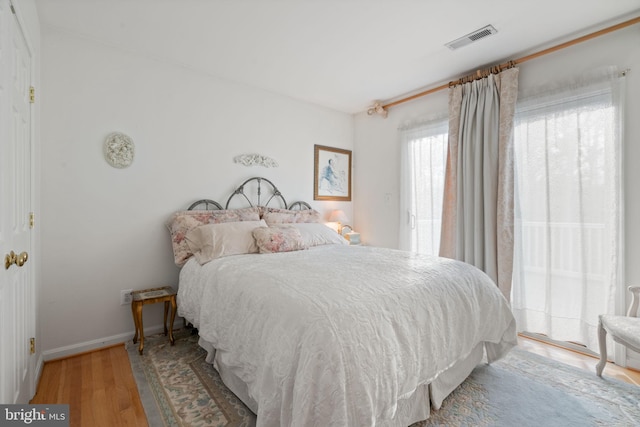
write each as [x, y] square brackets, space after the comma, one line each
[178, 388]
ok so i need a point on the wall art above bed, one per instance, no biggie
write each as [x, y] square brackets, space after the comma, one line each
[255, 159]
[332, 174]
[119, 150]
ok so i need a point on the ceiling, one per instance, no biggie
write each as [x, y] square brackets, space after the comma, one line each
[342, 55]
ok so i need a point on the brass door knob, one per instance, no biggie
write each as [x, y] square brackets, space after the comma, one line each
[22, 258]
[9, 259]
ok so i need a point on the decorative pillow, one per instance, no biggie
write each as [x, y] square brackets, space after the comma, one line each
[212, 241]
[181, 222]
[278, 238]
[314, 234]
[285, 216]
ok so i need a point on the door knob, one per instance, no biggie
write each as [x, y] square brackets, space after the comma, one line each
[10, 258]
[22, 258]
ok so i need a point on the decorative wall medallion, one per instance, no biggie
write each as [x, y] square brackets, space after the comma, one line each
[255, 159]
[119, 150]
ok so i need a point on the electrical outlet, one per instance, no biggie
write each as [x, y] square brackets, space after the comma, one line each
[125, 296]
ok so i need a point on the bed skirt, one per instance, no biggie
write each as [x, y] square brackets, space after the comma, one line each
[410, 410]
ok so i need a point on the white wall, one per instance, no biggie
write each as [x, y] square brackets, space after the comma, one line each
[376, 142]
[103, 228]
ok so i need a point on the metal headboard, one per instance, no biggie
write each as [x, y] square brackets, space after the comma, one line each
[271, 190]
[255, 185]
[205, 204]
[300, 206]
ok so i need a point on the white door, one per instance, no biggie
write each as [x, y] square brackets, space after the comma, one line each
[17, 297]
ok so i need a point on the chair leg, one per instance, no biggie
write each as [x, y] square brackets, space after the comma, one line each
[602, 341]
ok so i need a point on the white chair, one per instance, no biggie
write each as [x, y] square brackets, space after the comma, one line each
[623, 329]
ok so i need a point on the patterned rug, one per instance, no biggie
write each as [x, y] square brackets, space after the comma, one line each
[178, 388]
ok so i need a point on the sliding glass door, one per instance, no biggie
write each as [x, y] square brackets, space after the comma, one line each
[568, 210]
[424, 155]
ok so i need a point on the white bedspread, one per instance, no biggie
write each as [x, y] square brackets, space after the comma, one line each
[336, 335]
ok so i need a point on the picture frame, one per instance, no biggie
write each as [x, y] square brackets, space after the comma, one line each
[331, 174]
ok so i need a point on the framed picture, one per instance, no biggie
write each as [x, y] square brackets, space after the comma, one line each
[332, 174]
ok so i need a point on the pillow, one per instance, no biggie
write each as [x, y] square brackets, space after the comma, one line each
[315, 234]
[181, 222]
[285, 216]
[212, 241]
[278, 238]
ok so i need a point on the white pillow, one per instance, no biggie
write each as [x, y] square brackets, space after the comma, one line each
[315, 234]
[211, 241]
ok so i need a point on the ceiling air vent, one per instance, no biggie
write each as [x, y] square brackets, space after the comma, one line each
[472, 37]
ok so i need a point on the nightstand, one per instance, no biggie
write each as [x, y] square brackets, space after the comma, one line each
[353, 238]
[165, 294]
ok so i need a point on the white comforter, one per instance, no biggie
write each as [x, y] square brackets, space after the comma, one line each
[336, 335]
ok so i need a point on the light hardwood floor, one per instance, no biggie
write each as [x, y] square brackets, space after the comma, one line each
[578, 360]
[100, 389]
[98, 386]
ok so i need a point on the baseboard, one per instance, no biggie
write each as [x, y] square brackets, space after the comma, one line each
[70, 350]
[37, 374]
[39, 366]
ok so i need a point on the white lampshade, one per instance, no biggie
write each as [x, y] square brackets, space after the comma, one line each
[338, 216]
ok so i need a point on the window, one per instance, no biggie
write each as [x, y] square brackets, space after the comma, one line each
[424, 156]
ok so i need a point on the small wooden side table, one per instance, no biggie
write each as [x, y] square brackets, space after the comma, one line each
[165, 294]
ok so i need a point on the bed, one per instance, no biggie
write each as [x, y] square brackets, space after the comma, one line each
[308, 330]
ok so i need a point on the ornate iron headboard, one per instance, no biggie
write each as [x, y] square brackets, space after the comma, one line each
[252, 191]
[208, 205]
[300, 206]
[255, 185]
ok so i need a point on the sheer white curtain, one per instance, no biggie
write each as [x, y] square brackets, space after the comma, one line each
[477, 215]
[568, 199]
[423, 153]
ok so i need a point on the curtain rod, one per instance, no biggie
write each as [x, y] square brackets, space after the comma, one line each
[377, 107]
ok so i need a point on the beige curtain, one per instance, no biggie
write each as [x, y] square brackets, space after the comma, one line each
[477, 217]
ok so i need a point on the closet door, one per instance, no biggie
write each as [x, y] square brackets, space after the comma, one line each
[17, 296]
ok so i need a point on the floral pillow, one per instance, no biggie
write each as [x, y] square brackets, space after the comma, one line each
[181, 222]
[280, 238]
[286, 216]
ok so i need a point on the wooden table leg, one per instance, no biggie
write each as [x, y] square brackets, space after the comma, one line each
[140, 326]
[166, 311]
[174, 308]
[135, 320]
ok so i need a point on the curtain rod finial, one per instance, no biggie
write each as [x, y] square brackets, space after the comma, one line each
[378, 108]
